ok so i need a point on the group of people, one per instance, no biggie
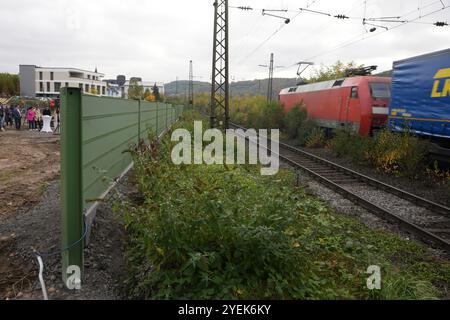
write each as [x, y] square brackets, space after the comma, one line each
[13, 115]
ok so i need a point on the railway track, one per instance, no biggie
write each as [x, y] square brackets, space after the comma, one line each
[425, 219]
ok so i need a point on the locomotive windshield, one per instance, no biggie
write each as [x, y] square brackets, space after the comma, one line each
[380, 90]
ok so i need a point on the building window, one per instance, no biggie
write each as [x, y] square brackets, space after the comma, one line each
[67, 84]
[48, 86]
[40, 75]
[57, 86]
[86, 88]
[41, 87]
[103, 90]
[81, 87]
[98, 89]
[52, 76]
[89, 76]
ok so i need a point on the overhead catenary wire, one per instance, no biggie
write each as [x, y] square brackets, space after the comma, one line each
[273, 34]
[365, 36]
[375, 22]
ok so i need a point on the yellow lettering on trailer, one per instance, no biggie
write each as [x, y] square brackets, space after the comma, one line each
[436, 93]
[440, 75]
[446, 91]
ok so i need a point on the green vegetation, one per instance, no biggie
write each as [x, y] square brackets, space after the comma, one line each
[135, 91]
[9, 84]
[400, 154]
[255, 112]
[226, 232]
[332, 72]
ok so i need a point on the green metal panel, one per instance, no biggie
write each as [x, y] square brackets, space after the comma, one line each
[110, 127]
[71, 180]
[148, 119]
[161, 118]
[96, 134]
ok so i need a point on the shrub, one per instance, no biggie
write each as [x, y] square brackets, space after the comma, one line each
[212, 233]
[273, 116]
[316, 138]
[225, 232]
[400, 154]
[294, 120]
[304, 131]
[354, 146]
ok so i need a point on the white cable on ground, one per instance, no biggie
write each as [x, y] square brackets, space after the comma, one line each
[41, 278]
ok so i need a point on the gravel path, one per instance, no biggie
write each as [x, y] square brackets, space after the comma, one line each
[39, 229]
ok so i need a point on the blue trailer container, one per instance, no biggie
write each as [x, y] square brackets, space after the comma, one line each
[421, 95]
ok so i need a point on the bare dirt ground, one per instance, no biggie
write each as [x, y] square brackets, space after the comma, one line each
[30, 221]
[29, 160]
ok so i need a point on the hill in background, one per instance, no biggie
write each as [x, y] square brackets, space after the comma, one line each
[240, 88]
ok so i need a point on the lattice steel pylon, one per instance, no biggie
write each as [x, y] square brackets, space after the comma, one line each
[220, 97]
[191, 85]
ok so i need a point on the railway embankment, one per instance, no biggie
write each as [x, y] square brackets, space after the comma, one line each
[431, 185]
[202, 232]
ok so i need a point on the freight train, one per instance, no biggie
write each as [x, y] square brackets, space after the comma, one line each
[421, 98]
[359, 103]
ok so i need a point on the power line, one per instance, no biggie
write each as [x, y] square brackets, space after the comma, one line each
[350, 42]
[191, 84]
[273, 34]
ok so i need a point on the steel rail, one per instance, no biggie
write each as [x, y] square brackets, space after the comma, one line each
[406, 225]
[436, 207]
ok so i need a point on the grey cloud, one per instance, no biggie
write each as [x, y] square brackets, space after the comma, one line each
[156, 39]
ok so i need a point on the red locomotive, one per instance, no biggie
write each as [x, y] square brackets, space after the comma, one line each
[359, 103]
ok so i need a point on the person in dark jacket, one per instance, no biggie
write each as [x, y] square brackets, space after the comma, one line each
[2, 117]
[47, 112]
[9, 116]
[17, 117]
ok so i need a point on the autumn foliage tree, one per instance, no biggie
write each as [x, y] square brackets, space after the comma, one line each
[332, 72]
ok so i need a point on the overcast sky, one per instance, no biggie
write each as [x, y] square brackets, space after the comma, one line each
[156, 39]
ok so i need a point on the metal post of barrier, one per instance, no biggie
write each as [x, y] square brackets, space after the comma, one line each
[72, 220]
[139, 122]
[167, 117]
[173, 114]
[157, 120]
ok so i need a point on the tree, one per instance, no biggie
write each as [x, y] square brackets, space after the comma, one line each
[156, 93]
[9, 84]
[135, 91]
[150, 98]
[147, 93]
[332, 72]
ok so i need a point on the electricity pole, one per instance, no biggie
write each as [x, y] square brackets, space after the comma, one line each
[191, 85]
[270, 86]
[220, 98]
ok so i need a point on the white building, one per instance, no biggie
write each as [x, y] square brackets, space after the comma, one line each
[47, 82]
